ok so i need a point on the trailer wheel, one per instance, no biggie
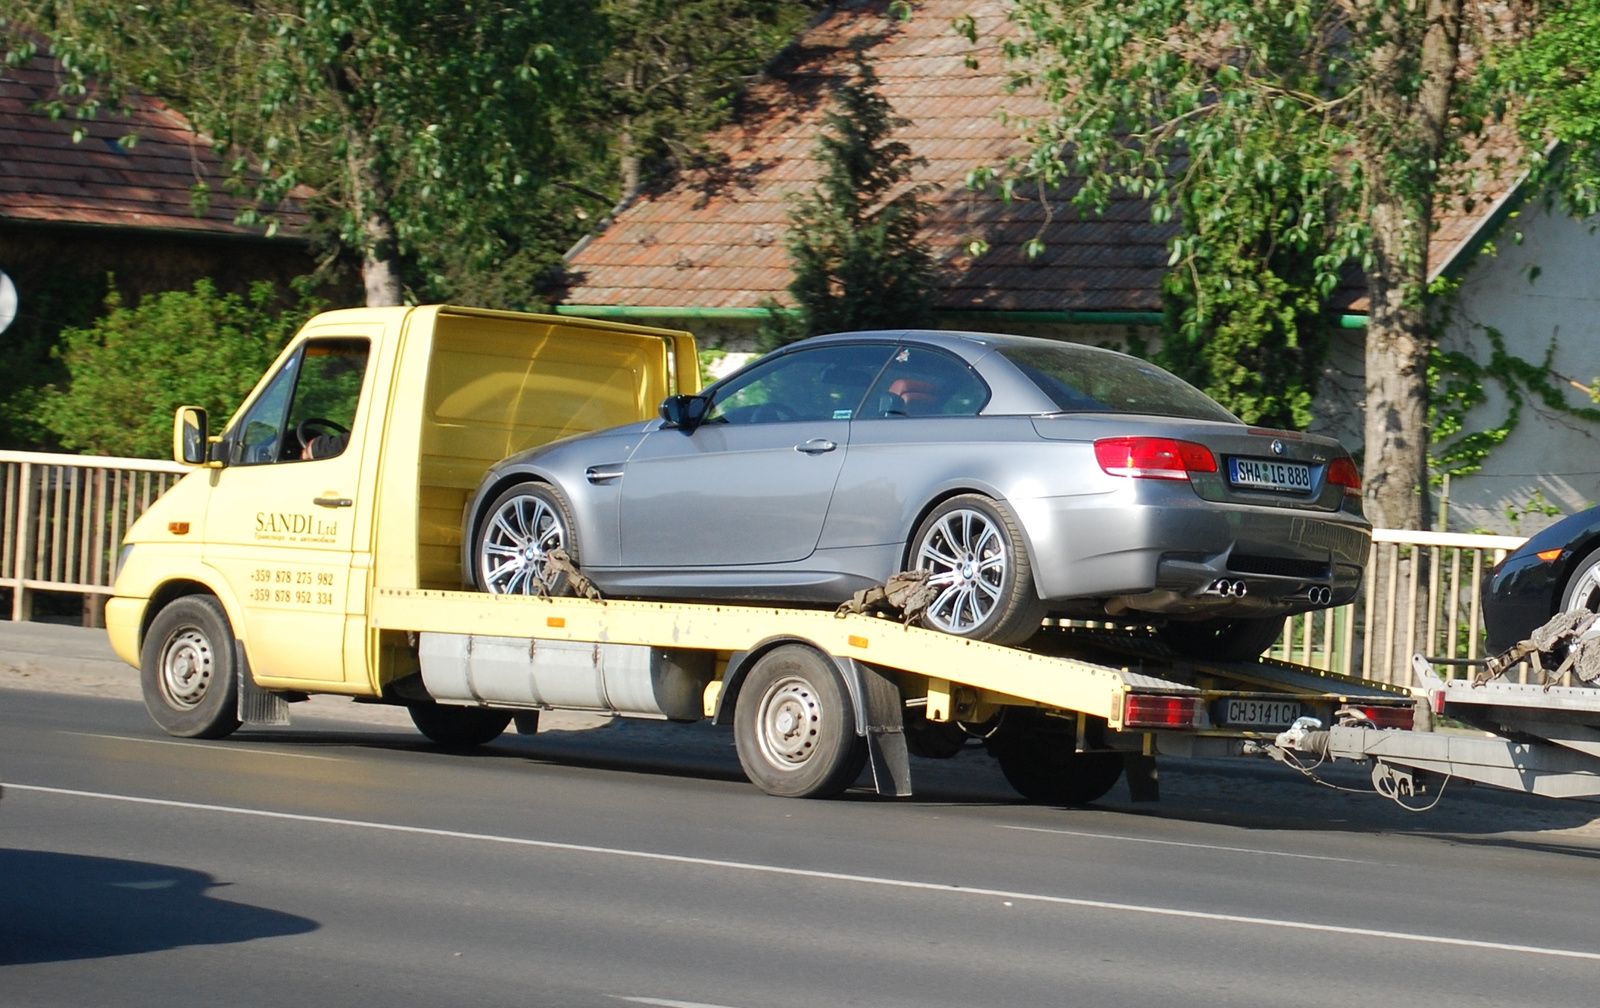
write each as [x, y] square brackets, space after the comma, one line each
[187, 669]
[795, 727]
[1225, 640]
[458, 727]
[1044, 767]
[518, 531]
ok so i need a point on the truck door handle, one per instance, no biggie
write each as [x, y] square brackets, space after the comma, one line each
[816, 446]
[603, 473]
[332, 501]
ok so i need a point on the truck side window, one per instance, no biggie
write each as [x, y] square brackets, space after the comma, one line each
[311, 399]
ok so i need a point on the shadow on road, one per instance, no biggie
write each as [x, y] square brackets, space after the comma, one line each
[63, 907]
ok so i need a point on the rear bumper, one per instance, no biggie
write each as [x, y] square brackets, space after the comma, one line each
[1162, 556]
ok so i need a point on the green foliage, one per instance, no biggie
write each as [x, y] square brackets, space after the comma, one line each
[130, 369]
[1554, 77]
[52, 300]
[858, 263]
[1459, 383]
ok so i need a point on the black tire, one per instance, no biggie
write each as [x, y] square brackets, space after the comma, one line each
[534, 503]
[987, 593]
[1044, 768]
[934, 739]
[795, 727]
[458, 727]
[188, 670]
[1222, 640]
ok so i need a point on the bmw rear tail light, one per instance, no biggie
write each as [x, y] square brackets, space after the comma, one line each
[1342, 472]
[1153, 457]
[1163, 712]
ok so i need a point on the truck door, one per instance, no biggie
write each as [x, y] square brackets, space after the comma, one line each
[279, 526]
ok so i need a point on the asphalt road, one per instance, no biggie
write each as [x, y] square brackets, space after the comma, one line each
[350, 864]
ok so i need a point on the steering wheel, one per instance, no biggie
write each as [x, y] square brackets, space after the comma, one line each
[305, 430]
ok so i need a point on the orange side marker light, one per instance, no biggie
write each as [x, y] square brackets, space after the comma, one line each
[1549, 555]
[855, 641]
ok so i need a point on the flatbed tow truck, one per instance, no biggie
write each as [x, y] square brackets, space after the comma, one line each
[272, 572]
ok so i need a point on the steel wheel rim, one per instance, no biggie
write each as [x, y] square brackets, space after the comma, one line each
[521, 534]
[187, 664]
[788, 723]
[965, 555]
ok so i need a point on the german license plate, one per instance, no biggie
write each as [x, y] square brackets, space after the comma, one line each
[1265, 474]
[1261, 713]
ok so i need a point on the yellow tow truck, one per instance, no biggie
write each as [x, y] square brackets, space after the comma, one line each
[316, 548]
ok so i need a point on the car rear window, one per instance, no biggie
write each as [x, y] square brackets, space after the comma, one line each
[1085, 380]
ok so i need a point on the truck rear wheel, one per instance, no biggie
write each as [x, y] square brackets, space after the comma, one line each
[458, 727]
[188, 672]
[795, 727]
[1045, 768]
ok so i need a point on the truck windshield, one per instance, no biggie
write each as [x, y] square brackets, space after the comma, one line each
[1082, 379]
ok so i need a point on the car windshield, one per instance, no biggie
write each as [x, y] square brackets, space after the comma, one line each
[1086, 380]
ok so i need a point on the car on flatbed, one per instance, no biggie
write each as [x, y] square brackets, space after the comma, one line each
[1027, 477]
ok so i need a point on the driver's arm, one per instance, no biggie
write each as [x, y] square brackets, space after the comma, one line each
[325, 446]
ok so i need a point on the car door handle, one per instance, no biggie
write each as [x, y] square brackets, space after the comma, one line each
[816, 446]
[603, 473]
[332, 502]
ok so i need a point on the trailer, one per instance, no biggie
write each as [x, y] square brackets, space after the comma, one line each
[278, 569]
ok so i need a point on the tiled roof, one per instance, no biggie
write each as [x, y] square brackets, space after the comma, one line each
[46, 177]
[714, 239]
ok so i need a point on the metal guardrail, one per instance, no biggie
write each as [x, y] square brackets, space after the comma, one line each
[64, 518]
[65, 515]
[1421, 594]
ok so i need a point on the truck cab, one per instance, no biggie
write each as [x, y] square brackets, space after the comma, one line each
[347, 468]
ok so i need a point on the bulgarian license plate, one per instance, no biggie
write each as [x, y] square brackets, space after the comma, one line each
[1265, 474]
[1261, 713]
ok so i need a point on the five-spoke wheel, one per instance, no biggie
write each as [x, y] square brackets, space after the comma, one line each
[518, 533]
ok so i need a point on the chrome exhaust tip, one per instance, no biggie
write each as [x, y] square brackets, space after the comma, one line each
[1227, 589]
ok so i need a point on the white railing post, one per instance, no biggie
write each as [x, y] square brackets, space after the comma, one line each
[22, 537]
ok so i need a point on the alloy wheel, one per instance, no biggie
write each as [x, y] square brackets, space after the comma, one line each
[965, 555]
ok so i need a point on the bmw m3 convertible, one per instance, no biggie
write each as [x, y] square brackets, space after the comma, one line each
[1029, 477]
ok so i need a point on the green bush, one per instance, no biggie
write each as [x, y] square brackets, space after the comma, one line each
[130, 369]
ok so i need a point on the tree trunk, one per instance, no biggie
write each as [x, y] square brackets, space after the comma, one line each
[380, 242]
[1407, 100]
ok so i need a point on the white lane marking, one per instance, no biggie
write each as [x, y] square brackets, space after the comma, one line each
[206, 745]
[1179, 843]
[888, 883]
[664, 1003]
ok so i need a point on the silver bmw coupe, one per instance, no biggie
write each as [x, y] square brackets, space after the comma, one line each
[1030, 477]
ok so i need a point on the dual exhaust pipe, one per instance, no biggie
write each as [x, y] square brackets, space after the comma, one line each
[1317, 595]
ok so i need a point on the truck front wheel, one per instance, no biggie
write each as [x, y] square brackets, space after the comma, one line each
[187, 669]
[795, 727]
[459, 727]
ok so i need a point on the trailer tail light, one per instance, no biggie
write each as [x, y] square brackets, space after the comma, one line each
[1153, 457]
[1391, 717]
[1342, 472]
[1163, 712]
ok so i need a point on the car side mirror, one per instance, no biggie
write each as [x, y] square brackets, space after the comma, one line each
[191, 435]
[684, 411]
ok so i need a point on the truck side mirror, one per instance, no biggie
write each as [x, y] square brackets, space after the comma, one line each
[191, 435]
[684, 411]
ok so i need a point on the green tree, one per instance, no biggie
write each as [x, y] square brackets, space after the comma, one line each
[858, 263]
[435, 131]
[1553, 77]
[675, 69]
[1352, 103]
[131, 368]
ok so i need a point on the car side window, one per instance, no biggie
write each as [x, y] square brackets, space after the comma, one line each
[923, 381]
[821, 383]
[307, 408]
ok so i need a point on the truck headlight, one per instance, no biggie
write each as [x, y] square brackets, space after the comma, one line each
[122, 559]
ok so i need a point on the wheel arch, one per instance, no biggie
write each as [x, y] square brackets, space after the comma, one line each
[170, 591]
[480, 507]
[982, 490]
[740, 664]
[1586, 548]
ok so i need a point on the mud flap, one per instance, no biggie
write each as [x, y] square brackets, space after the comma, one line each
[880, 705]
[256, 705]
[1144, 784]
